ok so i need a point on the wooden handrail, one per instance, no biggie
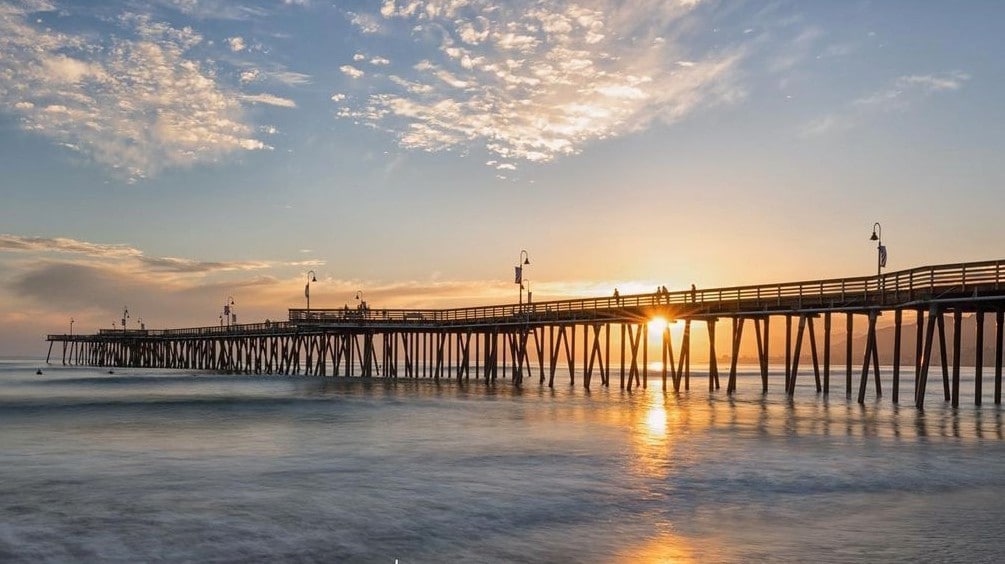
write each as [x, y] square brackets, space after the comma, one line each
[900, 283]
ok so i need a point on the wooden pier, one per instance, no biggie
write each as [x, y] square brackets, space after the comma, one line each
[545, 339]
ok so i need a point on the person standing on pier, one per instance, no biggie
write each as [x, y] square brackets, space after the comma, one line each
[694, 293]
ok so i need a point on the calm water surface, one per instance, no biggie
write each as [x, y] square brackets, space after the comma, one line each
[147, 465]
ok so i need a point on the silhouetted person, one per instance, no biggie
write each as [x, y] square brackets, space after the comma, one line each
[694, 293]
[617, 297]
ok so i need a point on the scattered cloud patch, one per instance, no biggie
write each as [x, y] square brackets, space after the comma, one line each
[535, 80]
[133, 101]
[366, 23]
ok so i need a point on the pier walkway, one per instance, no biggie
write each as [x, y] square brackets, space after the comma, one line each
[543, 338]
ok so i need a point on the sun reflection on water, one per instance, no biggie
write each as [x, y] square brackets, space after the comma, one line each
[665, 547]
[656, 422]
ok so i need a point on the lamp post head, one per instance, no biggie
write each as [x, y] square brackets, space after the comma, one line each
[313, 279]
[526, 261]
[876, 227]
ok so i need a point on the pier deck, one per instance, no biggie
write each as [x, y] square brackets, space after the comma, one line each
[519, 340]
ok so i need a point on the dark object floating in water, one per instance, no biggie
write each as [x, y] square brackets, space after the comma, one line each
[111, 372]
[39, 371]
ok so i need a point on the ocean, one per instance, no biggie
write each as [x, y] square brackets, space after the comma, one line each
[155, 465]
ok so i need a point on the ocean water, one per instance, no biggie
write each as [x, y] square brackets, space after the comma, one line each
[153, 465]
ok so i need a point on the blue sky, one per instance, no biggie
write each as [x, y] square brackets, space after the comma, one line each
[167, 155]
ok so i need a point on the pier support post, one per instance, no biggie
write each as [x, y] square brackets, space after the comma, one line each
[713, 367]
[979, 359]
[945, 358]
[999, 322]
[897, 321]
[790, 388]
[848, 360]
[827, 353]
[957, 322]
[871, 354]
[762, 351]
[737, 337]
[926, 360]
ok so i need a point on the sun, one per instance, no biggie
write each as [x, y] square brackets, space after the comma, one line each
[657, 325]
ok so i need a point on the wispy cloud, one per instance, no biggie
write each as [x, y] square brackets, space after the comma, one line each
[907, 90]
[18, 243]
[535, 80]
[133, 101]
[124, 255]
[901, 94]
[269, 99]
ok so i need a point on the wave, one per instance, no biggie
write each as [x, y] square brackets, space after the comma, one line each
[157, 403]
[145, 379]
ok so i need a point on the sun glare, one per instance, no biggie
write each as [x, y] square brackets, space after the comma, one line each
[656, 326]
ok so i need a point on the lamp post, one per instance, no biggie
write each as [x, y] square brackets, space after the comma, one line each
[359, 298]
[228, 306]
[71, 326]
[877, 235]
[524, 260]
[125, 316]
[311, 277]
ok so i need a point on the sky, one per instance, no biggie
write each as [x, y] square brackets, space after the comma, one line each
[168, 156]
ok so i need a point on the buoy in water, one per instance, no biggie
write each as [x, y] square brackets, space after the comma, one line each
[39, 371]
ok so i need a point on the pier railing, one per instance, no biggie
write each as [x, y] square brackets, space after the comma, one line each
[890, 289]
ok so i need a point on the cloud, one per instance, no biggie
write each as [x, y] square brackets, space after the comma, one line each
[366, 23]
[535, 80]
[269, 99]
[236, 44]
[277, 74]
[124, 255]
[249, 75]
[901, 94]
[903, 91]
[289, 78]
[131, 100]
[64, 245]
[351, 71]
